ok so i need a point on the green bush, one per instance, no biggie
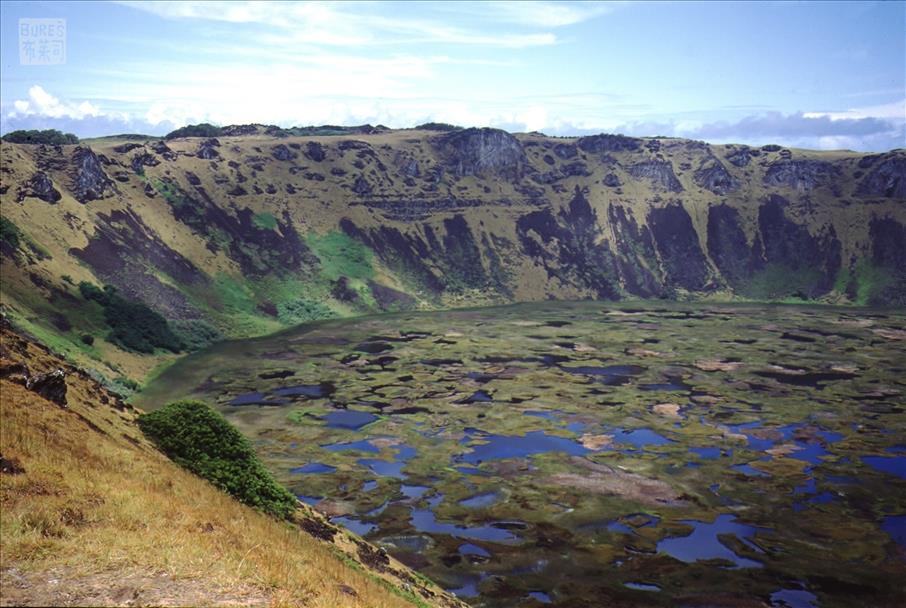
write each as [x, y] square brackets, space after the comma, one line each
[87, 339]
[49, 136]
[196, 334]
[201, 440]
[200, 130]
[134, 326]
[303, 310]
[127, 383]
[438, 126]
[9, 233]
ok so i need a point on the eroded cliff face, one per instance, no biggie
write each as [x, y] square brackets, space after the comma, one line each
[251, 232]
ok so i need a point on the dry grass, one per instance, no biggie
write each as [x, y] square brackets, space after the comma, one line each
[96, 498]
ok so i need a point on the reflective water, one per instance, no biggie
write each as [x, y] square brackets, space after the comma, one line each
[703, 543]
[495, 447]
[348, 419]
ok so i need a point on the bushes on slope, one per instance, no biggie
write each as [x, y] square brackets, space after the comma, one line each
[9, 235]
[201, 440]
[134, 325]
[50, 137]
[200, 130]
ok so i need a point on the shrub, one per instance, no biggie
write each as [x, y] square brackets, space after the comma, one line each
[196, 334]
[49, 136]
[200, 130]
[87, 339]
[438, 126]
[303, 310]
[9, 234]
[134, 325]
[127, 383]
[201, 440]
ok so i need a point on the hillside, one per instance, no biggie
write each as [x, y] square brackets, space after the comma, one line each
[94, 515]
[258, 229]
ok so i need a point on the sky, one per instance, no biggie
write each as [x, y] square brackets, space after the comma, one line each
[803, 74]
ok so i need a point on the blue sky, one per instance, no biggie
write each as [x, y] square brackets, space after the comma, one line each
[809, 74]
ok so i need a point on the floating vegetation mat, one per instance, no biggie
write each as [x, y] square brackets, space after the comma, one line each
[593, 454]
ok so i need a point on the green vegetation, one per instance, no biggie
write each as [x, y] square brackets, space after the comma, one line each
[871, 281]
[9, 234]
[192, 214]
[793, 355]
[264, 221]
[87, 339]
[50, 137]
[303, 310]
[11, 238]
[131, 136]
[233, 294]
[201, 440]
[438, 126]
[195, 334]
[296, 416]
[134, 325]
[780, 282]
[170, 193]
[200, 130]
[342, 256]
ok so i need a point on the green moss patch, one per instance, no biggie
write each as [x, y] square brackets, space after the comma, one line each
[780, 282]
[265, 221]
[342, 256]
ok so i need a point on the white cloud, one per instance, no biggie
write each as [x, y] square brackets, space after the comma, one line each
[854, 130]
[359, 24]
[391, 91]
[895, 110]
[544, 14]
[42, 103]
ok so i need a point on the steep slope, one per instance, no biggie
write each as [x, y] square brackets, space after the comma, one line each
[250, 232]
[94, 515]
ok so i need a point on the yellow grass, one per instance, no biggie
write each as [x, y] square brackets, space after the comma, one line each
[96, 500]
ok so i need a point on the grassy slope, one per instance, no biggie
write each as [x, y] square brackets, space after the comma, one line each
[99, 510]
[233, 300]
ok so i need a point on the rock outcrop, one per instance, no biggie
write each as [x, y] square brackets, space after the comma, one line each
[801, 175]
[40, 186]
[160, 147]
[282, 153]
[481, 152]
[713, 176]
[89, 182]
[684, 262]
[659, 173]
[142, 160]
[315, 151]
[51, 386]
[887, 179]
[740, 157]
[208, 149]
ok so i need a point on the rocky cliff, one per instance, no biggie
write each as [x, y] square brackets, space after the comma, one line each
[250, 232]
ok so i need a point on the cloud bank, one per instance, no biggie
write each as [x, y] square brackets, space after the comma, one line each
[855, 128]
